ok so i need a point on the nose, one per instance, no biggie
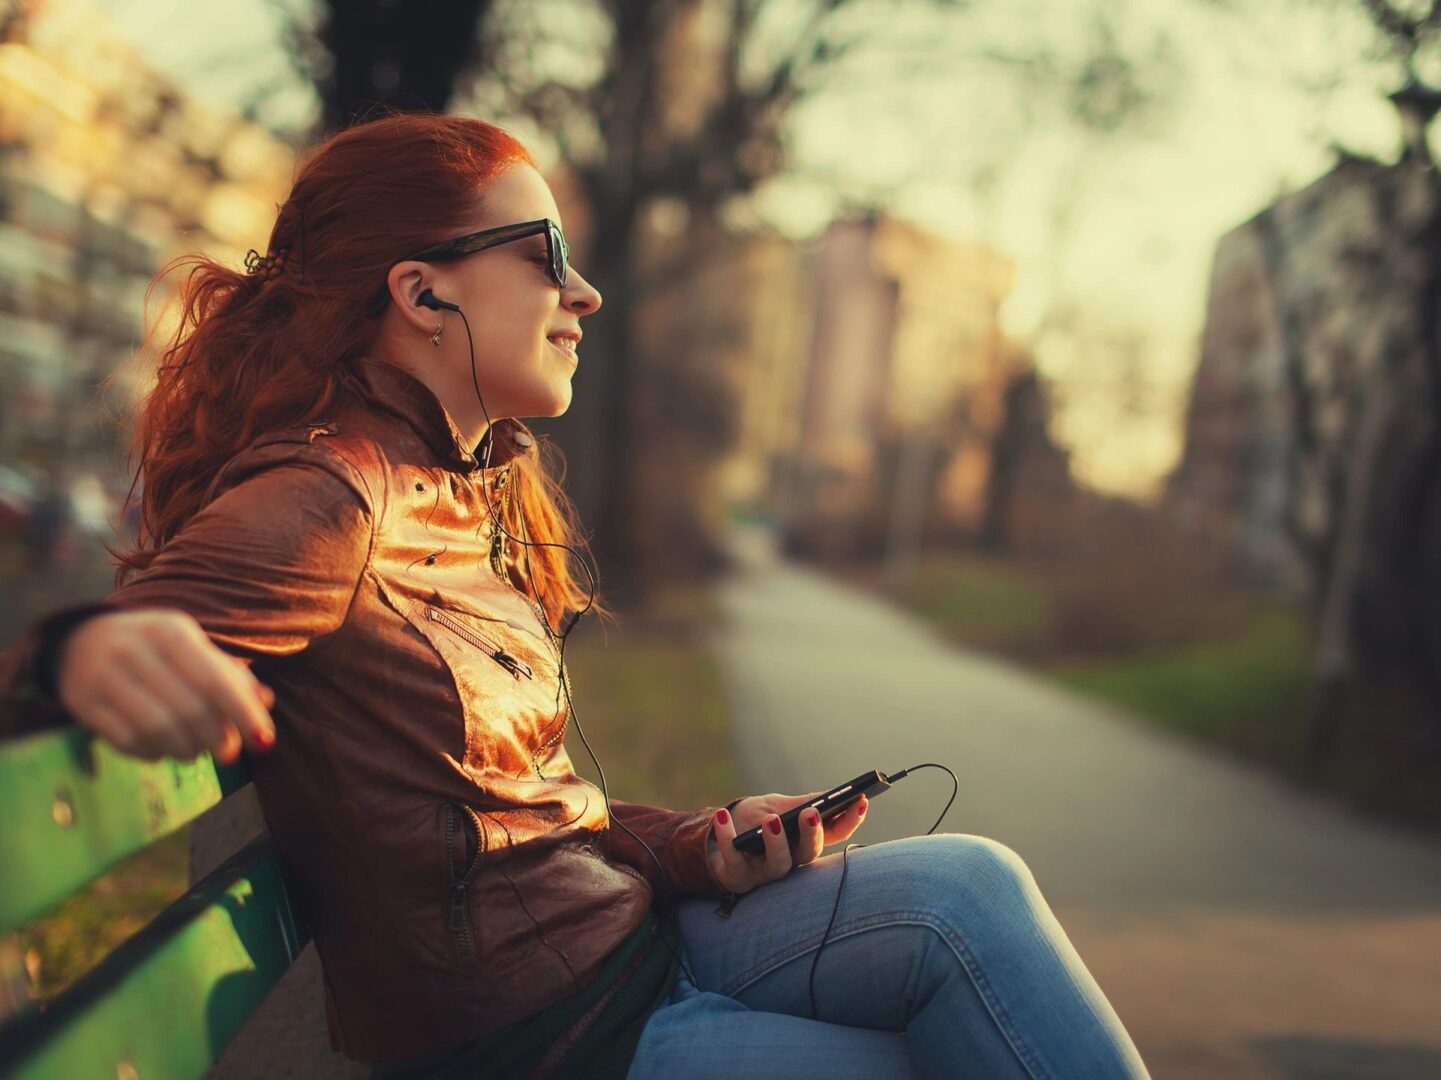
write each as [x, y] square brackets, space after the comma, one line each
[580, 295]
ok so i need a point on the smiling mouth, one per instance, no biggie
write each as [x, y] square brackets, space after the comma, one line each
[565, 345]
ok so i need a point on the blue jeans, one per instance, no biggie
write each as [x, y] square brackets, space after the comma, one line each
[944, 961]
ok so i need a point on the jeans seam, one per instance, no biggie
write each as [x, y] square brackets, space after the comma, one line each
[882, 920]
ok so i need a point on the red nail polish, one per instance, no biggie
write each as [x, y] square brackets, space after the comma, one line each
[775, 826]
[862, 811]
[722, 816]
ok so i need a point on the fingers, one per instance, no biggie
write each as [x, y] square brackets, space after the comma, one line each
[115, 727]
[812, 838]
[733, 871]
[230, 745]
[151, 726]
[844, 824]
[229, 688]
[179, 700]
[155, 685]
[739, 871]
[778, 860]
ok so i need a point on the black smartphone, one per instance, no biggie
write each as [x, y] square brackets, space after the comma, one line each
[828, 806]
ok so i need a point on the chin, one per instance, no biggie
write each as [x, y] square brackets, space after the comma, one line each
[561, 402]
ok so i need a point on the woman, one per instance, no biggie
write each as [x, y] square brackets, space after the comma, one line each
[352, 562]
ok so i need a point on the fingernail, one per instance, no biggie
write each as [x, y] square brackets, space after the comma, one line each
[265, 737]
[863, 807]
[774, 824]
[812, 817]
[722, 816]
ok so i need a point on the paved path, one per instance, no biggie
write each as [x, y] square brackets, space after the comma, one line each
[1242, 928]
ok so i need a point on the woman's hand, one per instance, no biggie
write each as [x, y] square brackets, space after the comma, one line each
[153, 685]
[740, 872]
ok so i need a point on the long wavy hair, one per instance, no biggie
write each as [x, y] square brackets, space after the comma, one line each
[256, 352]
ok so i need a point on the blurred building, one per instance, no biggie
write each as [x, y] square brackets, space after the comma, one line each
[859, 380]
[106, 171]
[905, 390]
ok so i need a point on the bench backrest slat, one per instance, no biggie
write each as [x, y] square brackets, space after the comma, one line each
[73, 807]
[167, 1001]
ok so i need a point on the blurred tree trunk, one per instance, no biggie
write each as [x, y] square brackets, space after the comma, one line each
[408, 56]
[1023, 416]
[642, 150]
[1354, 264]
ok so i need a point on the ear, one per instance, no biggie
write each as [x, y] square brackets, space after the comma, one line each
[406, 281]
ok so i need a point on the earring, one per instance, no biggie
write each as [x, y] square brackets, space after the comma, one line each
[435, 337]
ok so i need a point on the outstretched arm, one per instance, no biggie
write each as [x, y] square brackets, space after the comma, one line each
[161, 667]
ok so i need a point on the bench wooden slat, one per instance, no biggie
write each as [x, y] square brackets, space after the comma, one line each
[73, 807]
[167, 1001]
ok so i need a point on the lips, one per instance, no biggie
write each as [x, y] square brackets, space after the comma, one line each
[566, 341]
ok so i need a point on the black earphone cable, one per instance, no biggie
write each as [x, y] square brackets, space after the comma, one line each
[845, 854]
[526, 544]
[545, 620]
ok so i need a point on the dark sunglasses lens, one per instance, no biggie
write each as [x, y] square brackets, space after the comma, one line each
[559, 255]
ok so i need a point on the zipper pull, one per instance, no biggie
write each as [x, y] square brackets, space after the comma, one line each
[726, 906]
[457, 906]
[514, 666]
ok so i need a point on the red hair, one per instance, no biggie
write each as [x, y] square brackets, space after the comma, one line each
[257, 352]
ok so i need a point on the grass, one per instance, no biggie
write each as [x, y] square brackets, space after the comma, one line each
[984, 602]
[1248, 692]
[1172, 646]
[651, 703]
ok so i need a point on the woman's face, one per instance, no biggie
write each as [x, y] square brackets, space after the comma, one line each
[516, 313]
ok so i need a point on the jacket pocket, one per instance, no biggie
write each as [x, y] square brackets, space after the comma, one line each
[494, 650]
[462, 856]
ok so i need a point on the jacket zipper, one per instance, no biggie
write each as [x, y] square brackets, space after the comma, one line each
[516, 667]
[460, 883]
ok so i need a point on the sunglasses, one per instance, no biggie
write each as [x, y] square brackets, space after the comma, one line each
[556, 250]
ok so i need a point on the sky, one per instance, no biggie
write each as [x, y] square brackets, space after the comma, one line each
[1118, 231]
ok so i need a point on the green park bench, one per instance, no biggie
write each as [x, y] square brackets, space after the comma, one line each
[167, 1000]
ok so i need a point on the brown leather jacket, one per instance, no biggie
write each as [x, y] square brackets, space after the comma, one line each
[457, 874]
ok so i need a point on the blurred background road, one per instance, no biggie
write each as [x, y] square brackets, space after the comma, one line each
[1241, 928]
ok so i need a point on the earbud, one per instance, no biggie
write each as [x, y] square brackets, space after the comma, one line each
[428, 299]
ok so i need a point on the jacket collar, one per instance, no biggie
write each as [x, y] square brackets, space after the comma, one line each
[397, 391]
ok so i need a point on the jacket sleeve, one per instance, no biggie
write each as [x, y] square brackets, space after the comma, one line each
[268, 566]
[678, 839]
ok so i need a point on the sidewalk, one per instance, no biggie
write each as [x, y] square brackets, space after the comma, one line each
[1242, 928]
